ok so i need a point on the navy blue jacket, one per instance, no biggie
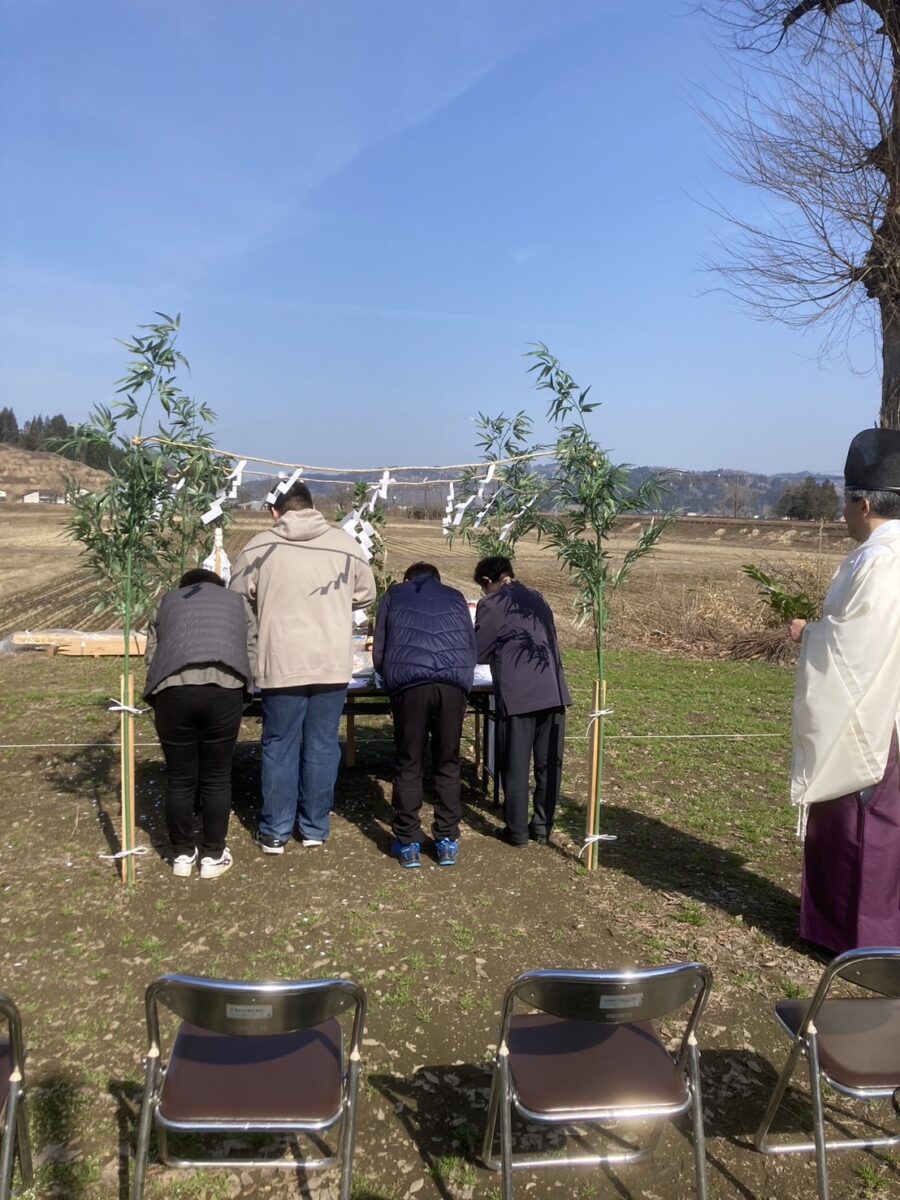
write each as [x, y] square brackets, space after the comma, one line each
[516, 634]
[424, 634]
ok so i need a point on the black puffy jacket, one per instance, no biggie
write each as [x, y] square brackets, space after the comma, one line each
[424, 634]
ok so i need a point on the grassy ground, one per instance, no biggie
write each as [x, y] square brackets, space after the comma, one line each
[705, 866]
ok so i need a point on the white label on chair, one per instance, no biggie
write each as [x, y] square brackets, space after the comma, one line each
[634, 1000]
[248, 1012]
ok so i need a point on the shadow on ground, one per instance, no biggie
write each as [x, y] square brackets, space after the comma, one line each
[664, 858]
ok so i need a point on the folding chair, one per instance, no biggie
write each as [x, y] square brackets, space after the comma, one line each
[253, 1058]
[850, 1042]
[13, 1117]
[589, 1055]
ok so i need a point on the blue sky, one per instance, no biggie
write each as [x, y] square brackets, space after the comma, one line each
[365, 210]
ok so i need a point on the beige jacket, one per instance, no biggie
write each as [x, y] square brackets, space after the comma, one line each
[301, 580]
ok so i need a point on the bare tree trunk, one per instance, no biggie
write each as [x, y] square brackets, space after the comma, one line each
[890, 376]
[885, 243]
[821, 133]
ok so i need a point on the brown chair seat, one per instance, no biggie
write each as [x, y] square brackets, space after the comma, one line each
[213, 1077]
[560, 1065]
[858, 1038]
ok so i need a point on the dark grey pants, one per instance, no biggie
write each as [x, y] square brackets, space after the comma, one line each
[434, 710]
[537, 736]
[198, 727]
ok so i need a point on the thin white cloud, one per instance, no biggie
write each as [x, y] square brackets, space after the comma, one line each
[527, 253]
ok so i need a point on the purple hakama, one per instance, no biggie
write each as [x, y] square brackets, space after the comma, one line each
[851, 867]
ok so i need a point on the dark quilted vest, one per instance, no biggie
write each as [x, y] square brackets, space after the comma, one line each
[203, 623]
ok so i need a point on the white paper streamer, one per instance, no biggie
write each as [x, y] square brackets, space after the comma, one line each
[509, 524]
[461, 509]
[285, 485]
[361, 531]
[486, 509]
[487, 479]
[219, 561]
[378, 491]
[447, 521]
[235, 479]
[213, 512]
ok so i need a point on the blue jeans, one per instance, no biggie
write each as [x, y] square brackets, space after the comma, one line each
[300, 759]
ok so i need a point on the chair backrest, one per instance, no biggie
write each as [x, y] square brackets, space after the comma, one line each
[10, 1014]
[875, 968]
[612, 997]
[254, 1009]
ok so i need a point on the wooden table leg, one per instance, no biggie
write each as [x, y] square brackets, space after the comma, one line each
[477, 714]
[351, 734]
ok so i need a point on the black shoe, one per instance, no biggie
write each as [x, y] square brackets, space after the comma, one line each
[821, 953]
[268, 844]
[503, 835]
[541, 838]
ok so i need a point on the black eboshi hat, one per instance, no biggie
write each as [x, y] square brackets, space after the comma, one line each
[873, 461]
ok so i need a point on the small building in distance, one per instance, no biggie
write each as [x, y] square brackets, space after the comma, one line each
[42, 498]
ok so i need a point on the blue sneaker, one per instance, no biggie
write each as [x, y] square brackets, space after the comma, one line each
[406, 855]
[447, 851]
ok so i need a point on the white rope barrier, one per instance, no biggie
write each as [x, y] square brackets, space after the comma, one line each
[574, 737]
[116, 706]
[65, 745]
[597, 837]
[595, 715]
[681, 737]
[307, 469]
[124, 853]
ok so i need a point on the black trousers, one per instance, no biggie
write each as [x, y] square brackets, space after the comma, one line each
[435, 709]
[198, 726]
[539, 736]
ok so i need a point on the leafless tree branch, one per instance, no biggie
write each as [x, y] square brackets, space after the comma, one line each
[813, 127]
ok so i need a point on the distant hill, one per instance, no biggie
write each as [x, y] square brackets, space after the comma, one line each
[23, 471]
[719, 493]
[728, 493]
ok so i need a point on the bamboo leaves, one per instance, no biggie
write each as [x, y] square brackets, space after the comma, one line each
[494, 512]
[140, 533]
[590, 494]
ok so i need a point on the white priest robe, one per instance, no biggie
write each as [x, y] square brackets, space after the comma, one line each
[847, 691]
[845, 772]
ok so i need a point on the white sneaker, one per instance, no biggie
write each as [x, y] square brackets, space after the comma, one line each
[183, 864]
[308, 842]
[211, 868]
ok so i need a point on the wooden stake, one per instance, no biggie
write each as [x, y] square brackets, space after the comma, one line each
[593, 815]
[126, 769]
[129, 862]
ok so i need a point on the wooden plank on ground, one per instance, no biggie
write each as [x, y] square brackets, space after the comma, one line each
[76, 644]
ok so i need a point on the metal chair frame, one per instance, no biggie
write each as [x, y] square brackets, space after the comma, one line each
[607, 997]
[877, 969]
[13, 1114]
[252, 1010]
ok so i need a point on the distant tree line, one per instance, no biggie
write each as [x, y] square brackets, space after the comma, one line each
[809, 501]
[47, 433]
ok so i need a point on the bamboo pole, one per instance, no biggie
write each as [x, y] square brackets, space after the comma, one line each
[593, 811]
